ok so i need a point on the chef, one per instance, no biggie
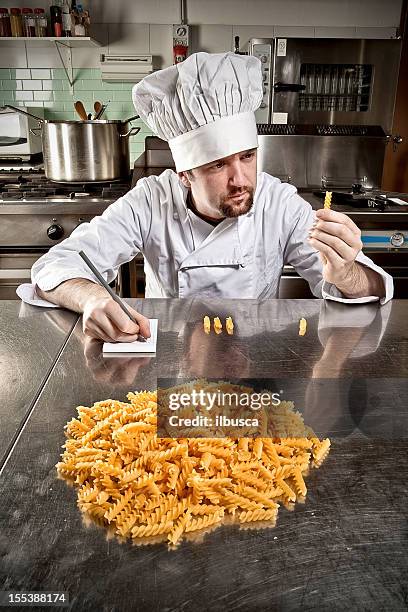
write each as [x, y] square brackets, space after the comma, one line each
[215, 227]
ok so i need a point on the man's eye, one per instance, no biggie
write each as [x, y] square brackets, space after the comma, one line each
[219, 165]
[249, 155]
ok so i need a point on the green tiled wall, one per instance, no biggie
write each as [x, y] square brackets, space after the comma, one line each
[49, 88]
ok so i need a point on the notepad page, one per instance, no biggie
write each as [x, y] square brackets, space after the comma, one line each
[135, 347]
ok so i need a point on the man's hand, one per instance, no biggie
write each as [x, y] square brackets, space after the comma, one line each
[338, 239]
[104, 319]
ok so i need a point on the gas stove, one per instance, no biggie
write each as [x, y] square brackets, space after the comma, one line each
[32, 187]
[37, 213]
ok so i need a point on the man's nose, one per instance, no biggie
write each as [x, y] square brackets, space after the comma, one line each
[236, 175]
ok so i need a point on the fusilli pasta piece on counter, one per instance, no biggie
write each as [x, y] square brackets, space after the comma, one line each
[229, 325]
[302, 326]
[217, 325]
[207, 324]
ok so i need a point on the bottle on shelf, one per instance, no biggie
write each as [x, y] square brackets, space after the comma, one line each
[16, 22]
[73, 16]
[5, 27]
[56, 19]
[66, 19]
[41, 24]
[86, 20]
[79, 21]
[28, 22]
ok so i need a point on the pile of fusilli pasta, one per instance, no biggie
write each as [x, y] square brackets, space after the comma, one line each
[143, 486]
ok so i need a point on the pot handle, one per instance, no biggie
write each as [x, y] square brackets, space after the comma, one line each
[131, 118]
[132, 132]
[18, 110]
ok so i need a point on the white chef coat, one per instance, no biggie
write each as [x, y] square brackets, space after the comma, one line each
[241, 257]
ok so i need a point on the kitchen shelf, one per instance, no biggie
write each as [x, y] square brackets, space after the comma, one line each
[71, 42]
[63, 45]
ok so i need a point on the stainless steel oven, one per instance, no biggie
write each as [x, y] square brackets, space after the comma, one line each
[328, 81]
[25, 235]
[36, 213]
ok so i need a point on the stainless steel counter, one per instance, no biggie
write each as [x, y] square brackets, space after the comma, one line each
[345, 548]
[30, 341]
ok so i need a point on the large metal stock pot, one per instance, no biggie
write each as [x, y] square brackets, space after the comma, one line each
[83, 151]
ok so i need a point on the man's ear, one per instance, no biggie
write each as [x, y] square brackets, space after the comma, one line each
[184, 179]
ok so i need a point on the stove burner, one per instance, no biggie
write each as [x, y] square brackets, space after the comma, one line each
[16, 186]
[11, 195]
[34, 194]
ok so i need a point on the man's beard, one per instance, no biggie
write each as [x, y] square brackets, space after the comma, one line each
[232, 208]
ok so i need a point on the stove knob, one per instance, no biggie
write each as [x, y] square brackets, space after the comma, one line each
[397, 239]
[55, 232]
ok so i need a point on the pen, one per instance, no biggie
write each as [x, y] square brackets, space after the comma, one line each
[110, 291]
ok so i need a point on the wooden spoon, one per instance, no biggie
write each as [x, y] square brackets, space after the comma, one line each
[80, 109]
[97, 109]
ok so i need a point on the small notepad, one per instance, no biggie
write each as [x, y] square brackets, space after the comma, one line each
[134, 347]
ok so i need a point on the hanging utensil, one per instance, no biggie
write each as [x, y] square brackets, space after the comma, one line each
[97, 109]
[80, 109]
[101, 111]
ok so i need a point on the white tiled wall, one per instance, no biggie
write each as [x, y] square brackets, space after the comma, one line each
[137, 26]
[125, 36]
[294, 31]
[370, 13]
[336, 32]
[161, 44]
[136, 11]
[31, 72]
[157, 40]
[213, 38]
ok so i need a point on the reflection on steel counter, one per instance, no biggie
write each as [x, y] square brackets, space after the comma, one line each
[29, 348]
[355, 520]
[316, 371]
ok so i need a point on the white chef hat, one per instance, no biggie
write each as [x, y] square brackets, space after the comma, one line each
[204, 107]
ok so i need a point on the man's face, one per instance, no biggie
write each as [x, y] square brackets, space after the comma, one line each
[225, 187]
